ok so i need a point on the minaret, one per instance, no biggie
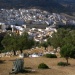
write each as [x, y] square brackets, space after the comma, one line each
[12, 26]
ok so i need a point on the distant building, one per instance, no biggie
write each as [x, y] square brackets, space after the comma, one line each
[17, 29]
[2, 27]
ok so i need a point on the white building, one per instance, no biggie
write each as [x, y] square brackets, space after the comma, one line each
[2, 27]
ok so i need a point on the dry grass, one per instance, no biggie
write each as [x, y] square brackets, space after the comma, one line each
[33, 63]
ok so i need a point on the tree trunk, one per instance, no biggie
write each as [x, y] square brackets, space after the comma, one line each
[21, 51]
[67, 60]
[45, 48]
[14, 52]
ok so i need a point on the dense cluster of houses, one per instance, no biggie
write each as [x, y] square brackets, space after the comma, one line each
[16, 21]
[32, 16]
[38, 34]
[41, 34]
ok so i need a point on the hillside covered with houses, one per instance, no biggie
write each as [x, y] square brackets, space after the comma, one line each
[39, 24]
[33, 16]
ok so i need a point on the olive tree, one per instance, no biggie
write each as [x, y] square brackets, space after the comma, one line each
[67, 51]
[24, 42]
[10, 42]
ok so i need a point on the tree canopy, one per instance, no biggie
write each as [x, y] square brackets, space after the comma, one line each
[24, 42]
[65, 39]
[10, 42]
[62, 37]
[44, 44]
[17, 42]
[67, 51]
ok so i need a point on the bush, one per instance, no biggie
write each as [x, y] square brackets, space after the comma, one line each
[50, 56]
[62, 64]
[43, 66]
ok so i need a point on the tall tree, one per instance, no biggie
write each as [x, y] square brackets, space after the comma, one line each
[17, 42]
[72, 34]
[67, 51]
[57, 38]
[24, 42]
[10, 42]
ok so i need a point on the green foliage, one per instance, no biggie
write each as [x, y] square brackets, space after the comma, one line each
[50, 55]
[10, 42]
[18, 65]
[61, 37]
[65, 50]
[49, 41]
[37, 44]
[17, 42]
[55, 40]
[24, 42]
[65, 39]
[72, 53]
[3, 51]
[44, 44]
[6, 42]
[43, 66]
[63, 64]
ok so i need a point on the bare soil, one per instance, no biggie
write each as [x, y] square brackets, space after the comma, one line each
[31, 64]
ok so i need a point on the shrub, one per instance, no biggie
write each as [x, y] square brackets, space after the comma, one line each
[43, 66]
[62, 64]
[50, 56]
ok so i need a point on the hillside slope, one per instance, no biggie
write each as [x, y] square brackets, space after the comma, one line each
[50, 5]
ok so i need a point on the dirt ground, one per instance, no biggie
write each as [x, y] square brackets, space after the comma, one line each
[32, 65]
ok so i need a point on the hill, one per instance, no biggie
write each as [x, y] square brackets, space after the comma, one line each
[70, 4]
[50, 5]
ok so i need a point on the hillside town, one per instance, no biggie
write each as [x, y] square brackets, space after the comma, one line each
[38, 34]
[20, 20]
[32, 16]
[37, 37]
[31, 37]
